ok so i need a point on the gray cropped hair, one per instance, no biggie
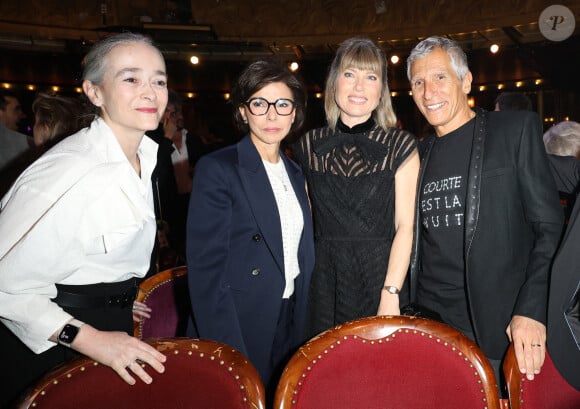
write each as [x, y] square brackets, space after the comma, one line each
[95, 61]
[563, 139]
[453, 50]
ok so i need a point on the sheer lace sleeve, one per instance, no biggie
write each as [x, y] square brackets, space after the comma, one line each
[403, 144]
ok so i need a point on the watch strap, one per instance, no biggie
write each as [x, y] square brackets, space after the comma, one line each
[391, 289]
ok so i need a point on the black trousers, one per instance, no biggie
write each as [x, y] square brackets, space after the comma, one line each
[282, 347]
[22, 367]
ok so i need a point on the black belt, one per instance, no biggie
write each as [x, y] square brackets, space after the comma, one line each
[76, 300]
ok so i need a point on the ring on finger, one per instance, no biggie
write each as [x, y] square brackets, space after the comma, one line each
[537, 345]
[131, 364]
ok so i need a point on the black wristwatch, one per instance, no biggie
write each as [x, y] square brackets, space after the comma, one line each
[68, 335]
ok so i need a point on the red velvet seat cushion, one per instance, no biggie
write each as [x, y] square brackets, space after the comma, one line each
[169, 301]
[408, 369]
[548, 390]
[191, 380]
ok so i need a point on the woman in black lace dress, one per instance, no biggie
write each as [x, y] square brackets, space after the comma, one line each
[362, 173]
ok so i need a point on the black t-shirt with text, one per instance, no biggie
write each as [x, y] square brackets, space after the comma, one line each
[441, 284]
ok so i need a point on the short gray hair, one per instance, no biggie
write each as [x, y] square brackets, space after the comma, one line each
[95, 61]
[563, 139]
[453, 50]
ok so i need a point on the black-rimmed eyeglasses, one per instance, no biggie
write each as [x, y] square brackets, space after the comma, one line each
[260, 106]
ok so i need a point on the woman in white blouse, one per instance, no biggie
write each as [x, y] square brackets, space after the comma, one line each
[77, 228]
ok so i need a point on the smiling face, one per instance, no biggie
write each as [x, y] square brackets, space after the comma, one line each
[439, 94]
[357, 94]
[133, 94]
[267, 131]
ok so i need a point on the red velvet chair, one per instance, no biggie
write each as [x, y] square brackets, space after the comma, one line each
[388, 362]
[548, 390]
[167, 294]
[198, 374]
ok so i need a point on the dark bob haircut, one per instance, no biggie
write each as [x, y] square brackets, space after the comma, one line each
[259, 74]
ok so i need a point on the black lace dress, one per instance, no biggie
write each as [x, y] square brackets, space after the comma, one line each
[351, 180]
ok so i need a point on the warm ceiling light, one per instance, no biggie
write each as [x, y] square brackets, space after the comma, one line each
[226, 96]
[410, 93]
[471, 102]
[31, 87]
[519, 84]
[55, 88]
[500, 86]
[395, 58]
[394, 94]
[190, 95]
[194, 59]
[482, 87]
[79, 90]
[294, 66]
[6, 85]
[538, 81]
[494, 48]
[318, 95]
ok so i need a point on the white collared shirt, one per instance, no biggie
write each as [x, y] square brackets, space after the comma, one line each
[78, 215]
[291, 220]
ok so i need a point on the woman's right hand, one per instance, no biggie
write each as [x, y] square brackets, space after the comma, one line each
[123, 353]
[140, 311]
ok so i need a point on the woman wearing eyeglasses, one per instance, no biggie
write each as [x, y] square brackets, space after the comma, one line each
[250, 247]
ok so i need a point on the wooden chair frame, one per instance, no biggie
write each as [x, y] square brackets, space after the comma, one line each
[375, 329]
[149, 285]
[515, 381]
[513, 378]
[231, 360]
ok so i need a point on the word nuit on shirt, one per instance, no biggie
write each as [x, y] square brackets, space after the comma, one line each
[445, 220]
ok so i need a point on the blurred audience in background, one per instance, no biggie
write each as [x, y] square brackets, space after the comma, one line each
[55, 117]
[513, 101]
[563, 139]
[12, 143]
[181, 154]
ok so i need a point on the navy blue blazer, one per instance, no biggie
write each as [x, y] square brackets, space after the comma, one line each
[235, 255]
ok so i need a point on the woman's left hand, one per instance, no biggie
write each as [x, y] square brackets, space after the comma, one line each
[389, 304]
[140, 311]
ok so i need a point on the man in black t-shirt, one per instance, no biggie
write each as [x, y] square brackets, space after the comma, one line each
[488, 209]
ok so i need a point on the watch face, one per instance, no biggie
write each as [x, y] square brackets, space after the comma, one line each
[68, 334]
[392, 290]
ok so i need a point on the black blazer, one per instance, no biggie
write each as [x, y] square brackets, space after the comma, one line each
[564, 299]
[513, 221]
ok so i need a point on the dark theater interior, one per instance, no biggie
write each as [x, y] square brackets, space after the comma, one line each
[180, 228]
[43, 42]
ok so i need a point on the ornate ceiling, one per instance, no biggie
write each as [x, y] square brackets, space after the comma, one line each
[231, 32]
